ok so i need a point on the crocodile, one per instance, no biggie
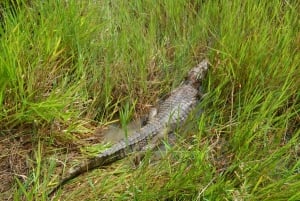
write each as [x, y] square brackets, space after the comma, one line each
[171, 113]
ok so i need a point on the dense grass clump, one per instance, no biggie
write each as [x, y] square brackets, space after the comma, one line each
[68, 65]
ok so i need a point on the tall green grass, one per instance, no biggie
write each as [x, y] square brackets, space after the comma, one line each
[70, 62]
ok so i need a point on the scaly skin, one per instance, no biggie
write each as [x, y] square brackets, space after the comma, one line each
[171, 113]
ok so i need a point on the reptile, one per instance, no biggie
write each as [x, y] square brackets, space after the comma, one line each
[171, 113]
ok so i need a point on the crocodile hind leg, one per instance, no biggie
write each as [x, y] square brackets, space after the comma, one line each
[154, 143]
[151, 115]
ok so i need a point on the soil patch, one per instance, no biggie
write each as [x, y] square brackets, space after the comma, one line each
[15, 149]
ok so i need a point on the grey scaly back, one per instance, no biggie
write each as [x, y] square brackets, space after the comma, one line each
[171, 113]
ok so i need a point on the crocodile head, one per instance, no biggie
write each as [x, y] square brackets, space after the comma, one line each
[197, 73]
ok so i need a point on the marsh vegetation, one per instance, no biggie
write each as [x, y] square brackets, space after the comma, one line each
[68, 68]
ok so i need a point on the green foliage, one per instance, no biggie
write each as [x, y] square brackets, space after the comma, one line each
[35, 186]
[73, 60]
[40, 73]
